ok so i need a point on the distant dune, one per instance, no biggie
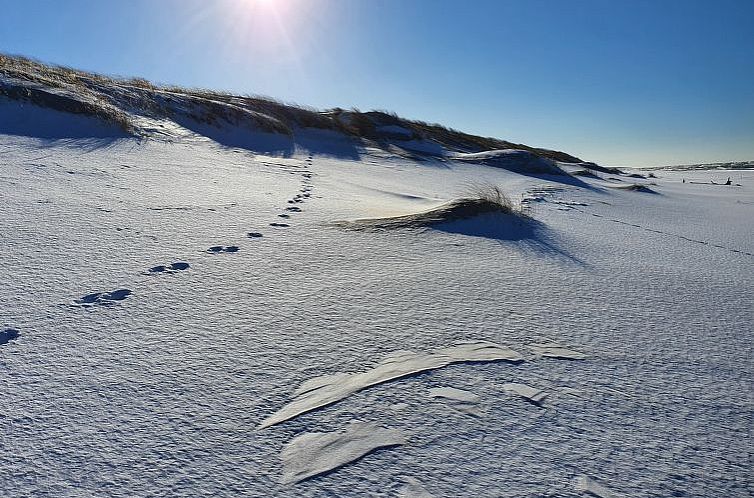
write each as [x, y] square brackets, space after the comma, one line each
[140, 108]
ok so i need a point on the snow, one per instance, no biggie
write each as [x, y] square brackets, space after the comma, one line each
[422, 146]
[8, 335]
[312, 454]
[529, 393]
[160, 393]
[27, 119]
[322, 391]
[554, 350]
[414, 489]
[454, 394]
[592, 487]
[459, 399]
[395, 130]
[521, 161]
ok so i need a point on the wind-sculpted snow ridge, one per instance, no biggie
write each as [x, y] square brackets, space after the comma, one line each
[458, 399]
[530, 394]
[326, 390]
[454, 394]
[593, 488]
[520, 161]
[316, 453]
[414, 489]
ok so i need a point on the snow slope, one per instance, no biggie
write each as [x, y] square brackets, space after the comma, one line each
[161, 393]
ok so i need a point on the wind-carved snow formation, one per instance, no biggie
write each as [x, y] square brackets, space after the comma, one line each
[458, 399]
[326, 390]
[315, 453]
[414, 489]
[593, 488]
[454, 394]
[529, 393]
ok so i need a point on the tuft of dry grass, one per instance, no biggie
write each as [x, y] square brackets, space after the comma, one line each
[634, 187]
[480, 200]
[492, 195]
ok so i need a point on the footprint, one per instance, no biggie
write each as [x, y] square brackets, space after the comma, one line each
[116, 295]
[284, 215]
[8, 335]
[219, 249]
[174, 267]
[103, 298]
[279, 225]
[89, 298]
[294, 209]
[254, 235]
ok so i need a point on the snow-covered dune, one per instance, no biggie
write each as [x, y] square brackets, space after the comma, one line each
[181, 315]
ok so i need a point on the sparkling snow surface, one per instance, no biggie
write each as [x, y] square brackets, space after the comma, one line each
[160, 393]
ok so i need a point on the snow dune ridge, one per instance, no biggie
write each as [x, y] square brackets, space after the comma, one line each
[144, 109]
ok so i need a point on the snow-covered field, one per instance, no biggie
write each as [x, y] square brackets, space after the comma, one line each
[163, 390]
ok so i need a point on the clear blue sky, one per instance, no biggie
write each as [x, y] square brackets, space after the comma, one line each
[618, 82]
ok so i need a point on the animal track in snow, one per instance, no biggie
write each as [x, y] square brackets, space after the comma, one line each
[279, 225]
[294, 209]
[103, 298]
[8, 335]
[254, 235]
[682, 237]
[219, 249]
[172, 268]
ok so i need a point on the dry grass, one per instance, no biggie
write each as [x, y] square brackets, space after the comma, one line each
[493, 196]
[115, 99]
[480, 200]
[634, 187]
[73, 90]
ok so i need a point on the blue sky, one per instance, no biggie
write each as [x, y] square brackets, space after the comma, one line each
[617, 82]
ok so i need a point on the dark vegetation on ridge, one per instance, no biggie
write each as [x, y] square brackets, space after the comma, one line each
[124, 102]
[480, 201]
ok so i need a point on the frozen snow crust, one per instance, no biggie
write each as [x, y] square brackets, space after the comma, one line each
[161, 301]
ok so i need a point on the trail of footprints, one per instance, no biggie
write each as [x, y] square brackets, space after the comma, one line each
[97, 299]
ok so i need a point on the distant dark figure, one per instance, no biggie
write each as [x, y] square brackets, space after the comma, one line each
[684, 180]
[729, 182]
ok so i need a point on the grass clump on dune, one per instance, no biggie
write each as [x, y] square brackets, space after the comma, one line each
[481, 200]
